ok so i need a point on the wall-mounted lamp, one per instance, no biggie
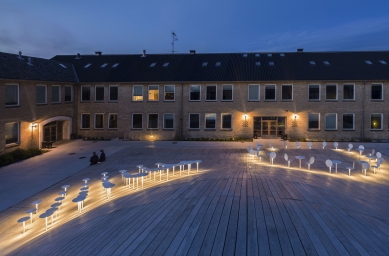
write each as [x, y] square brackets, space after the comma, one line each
[245, 123]
[34, 125]
[295, 115]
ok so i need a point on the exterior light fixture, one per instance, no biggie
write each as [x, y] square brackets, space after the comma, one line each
[34, 125]
[245, 123]
[295, 115]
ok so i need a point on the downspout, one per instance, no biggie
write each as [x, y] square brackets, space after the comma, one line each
[182, 106]
[363, 111]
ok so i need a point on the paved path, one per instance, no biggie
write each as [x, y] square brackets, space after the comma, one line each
[233, 205]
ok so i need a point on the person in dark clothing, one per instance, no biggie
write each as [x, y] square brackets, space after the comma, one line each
[102, 156]
[94, 159]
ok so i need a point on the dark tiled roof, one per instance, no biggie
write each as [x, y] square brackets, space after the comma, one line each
[12, 67]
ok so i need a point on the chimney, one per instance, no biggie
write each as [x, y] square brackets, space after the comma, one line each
[78, 56]
[98, 53]
[143, 53]
[20, 55]
[300, 50]
[192, 51]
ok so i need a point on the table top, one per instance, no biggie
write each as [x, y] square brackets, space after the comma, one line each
[52, 209]
[141, 174]
[85, 179]
[56, 204]
[104, 173]
[371, 157]
[65, 186]
[31, 210]
[24, 219]
[61, 192]
[108, 185]
[300, 157]
[78, 199]
[84, 189]
[362, 162]
[45, 214]
[336, 161]
[123, 171]
[37, 201]
[60, 198]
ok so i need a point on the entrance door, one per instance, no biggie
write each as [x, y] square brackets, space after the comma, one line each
[52, 131]
[269, 128]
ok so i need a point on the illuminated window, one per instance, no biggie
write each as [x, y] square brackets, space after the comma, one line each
[376, 121]
[137, 93]
[12, 133]
[153, 92]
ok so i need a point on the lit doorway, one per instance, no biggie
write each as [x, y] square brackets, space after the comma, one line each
[269, 126]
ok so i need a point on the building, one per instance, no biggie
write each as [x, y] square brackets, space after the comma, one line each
[306, 95]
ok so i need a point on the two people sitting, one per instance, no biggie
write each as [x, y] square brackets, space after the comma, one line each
[95, 159]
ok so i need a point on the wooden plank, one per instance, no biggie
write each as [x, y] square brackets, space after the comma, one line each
[252, 233]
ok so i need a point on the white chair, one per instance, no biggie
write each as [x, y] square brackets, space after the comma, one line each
[360, 149]
[23, 220]
[310, 145]
[377, 165]
[288, 160]
[372, 153]
[258, 145]
[350, 168]
[329, 164]
[297, 145]
[252, 153]
[365, 167]
[324, 144]
[311, 161]
[336, 145]
[259, 155]
[248, 149]
[378, 156]
[285, 145]
[272, 156]
[350, 146]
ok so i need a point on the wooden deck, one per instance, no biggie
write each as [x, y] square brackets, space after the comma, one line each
[232, 206]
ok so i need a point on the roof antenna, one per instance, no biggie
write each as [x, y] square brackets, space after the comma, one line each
[174, 38]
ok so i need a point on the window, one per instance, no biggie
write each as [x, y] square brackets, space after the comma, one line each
[85, 93]
[165, 64]
[211, 94]
[205, 64]
[383, 62]
[85, 121]
[12, 95]
[226, 121]
[218, 64]
[348, 92]
[68, 93]
[326, 63]
[56, 94]
[270, 92]
[312, 63]
[376, 92]
[331, 121]
[194, 92]
[253, 92]
[269, 55]
[227, 92]
[376, 121]
[368, 62]
[169, 92]
[168, 121]
[348, 122]
[99, 93]
[245, 55]
[115, 65]
[271, 63]
[153, 92]
[314, 121]
[210, 121]
[257, 55]
[257, 63]
[137, 121]
[87, 65]
[41, 96]
[194, 121]
[113, 93]
[11, 133]
[99, 121]
[331, 92]
[287, 92]
[137, 93]
[152, 122]
[112, 121]
[153, 64]
[314, 92]
[104, 65]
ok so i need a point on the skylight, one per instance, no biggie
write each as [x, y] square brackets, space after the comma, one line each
[104, 65]
[62, 65]
[271, 63]
[312, 63]
[269, 55]
[218, 64]
[244, 54]
[369, 62]
[257, 55]
[153, 64]
[205, 64]
[257, 63]
[88, 65]
[115, 65]
[166, 64]
[326, 63]
[282, 54]
[383, 62]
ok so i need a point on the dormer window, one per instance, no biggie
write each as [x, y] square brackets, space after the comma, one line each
[312, 63]
[368, 62]
[245, 55]
[104, 65]
[326, 63]
[257, 63]
[269, 55]
[115, 65]
[87, 65]
[205, 64]
[166, 64]
[271, 63]
[383, 62]
[153, 64]
[218, 64]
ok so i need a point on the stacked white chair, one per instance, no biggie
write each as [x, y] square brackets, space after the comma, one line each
[350, 168]
[311, 161]
[310, 145]
[288, 159]
[350, 146]
[336, 144]
[297, 145]
[324, 144]
[329, 164]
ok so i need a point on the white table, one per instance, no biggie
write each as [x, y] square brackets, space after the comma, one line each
[362, 162]
[59, 199]
[85, 180]
[23, 220]
[45, 215]
[65, 187]
[30, 211]
[36, 203]
[300, 158]
[104, 173]
[371, 157]
[360, 151]
[336, 162]
[62, 193]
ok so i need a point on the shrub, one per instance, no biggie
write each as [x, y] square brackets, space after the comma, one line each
[19, 155]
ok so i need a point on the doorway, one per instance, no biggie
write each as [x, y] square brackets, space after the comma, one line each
[53, 131]
[269, 127]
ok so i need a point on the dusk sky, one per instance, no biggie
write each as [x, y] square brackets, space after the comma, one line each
[47, 28]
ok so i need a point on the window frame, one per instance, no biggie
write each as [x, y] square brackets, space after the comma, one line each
[222, 121]
[282, 95]
[318, 125]
[148, 123]
[205, 121]
[275, 92]
[382, 91]
[36, 95]
[71, 94]
[206, 92]
[18, 135]
[99, 86]
[319, 99]
[148, 93]
[59, 94]
[336, 92]
[248, 92]
[109, 93]
[109, 121]
[336, 122]
[102, 122]
[163, 126]
[133, 93]
[195, 128]
[81, 121]
[164, 92]
[81, 91]
[382, 122]
[132, 121]
[232, 92]
[348, 129]
[17, 96]
[190, 92]
[353, 85]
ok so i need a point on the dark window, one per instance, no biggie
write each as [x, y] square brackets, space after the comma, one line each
[169, 92]
[68, 94]
[85, 93]
[137, 121]
[253, 92]
[153, 121]
[376, 92]
[99, 93]
[270, 92]
[331, 121]
[314, 92]
[331, 92]
[85, 121]
[348, 122]
[287, 92]
[194, 121]
[137, 93]
[211, 92]
[113, 93]
[168, 121]
[226, 121]
[313, 121]
[227, 92]
[113, 121]
[348, 92]
[99, 121]
[55, 94]
[210, 121]
[194, 93]
[11, 94]
[40, 94]
[11, 133]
